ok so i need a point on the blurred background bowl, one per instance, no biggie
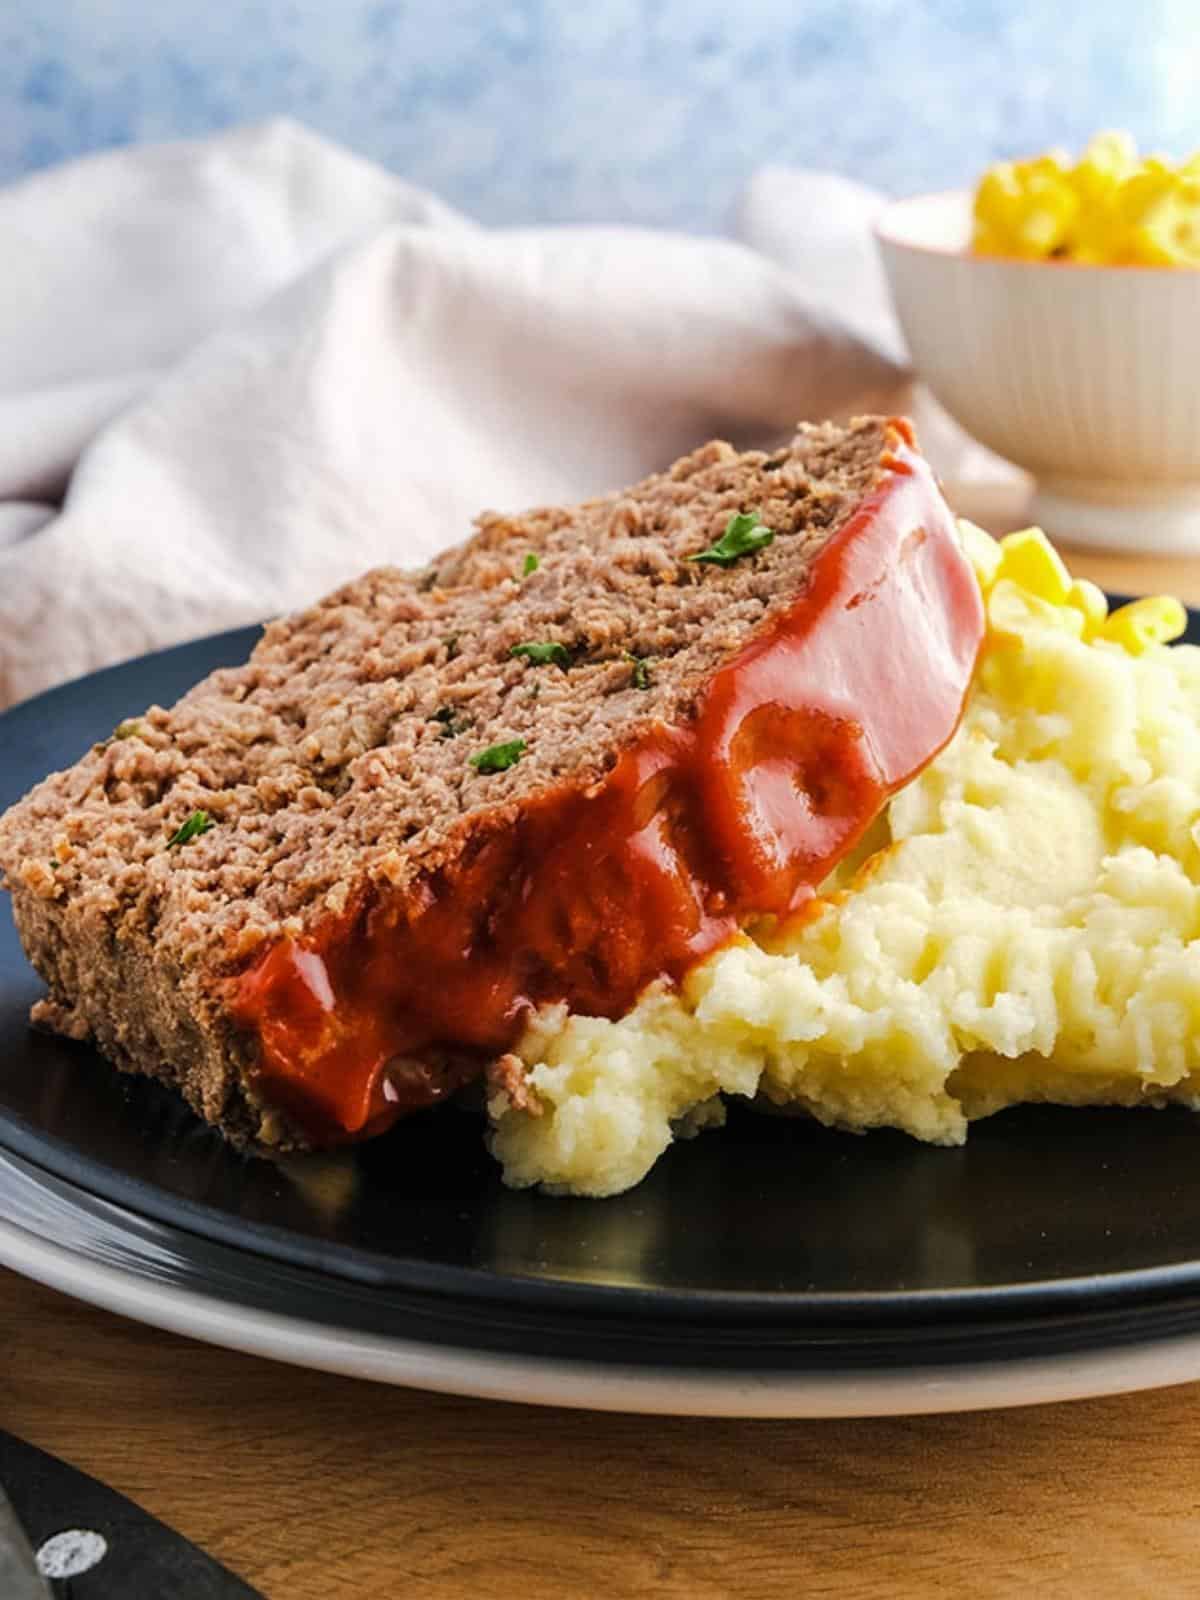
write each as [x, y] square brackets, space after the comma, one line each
[1088, 377]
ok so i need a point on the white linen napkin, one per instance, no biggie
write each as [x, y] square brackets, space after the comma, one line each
[257, 365]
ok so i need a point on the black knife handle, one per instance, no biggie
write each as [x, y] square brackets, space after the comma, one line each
[145, 1559]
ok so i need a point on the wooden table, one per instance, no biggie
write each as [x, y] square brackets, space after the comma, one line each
[319, 1488]
[315, 1488]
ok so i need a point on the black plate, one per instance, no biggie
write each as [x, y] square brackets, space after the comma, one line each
[1085, 1222]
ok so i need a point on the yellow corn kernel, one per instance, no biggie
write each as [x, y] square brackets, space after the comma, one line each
[998, 193]
[1024, 208]
[1056, 163]
[1144, 623]
[1048, 216]
[1012, 611]
[1090, 601]
[1144, 190]
[1157, 166]
[987, 241]
[1100, 237]
[1028, 558]
[1167, 233]
[1107, 156]
[981, 550]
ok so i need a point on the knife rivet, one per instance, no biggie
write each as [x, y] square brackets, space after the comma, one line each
[71, 1553]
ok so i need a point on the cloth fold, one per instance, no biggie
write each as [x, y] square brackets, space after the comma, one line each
[252, 366]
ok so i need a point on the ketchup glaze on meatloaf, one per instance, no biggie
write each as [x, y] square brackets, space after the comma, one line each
[568, 760]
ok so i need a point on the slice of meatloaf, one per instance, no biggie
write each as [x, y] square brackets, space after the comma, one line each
[568, 759]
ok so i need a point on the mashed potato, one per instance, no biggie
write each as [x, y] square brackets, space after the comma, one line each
[1023, 922]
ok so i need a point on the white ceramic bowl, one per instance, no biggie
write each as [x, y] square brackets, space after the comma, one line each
[1088, 377]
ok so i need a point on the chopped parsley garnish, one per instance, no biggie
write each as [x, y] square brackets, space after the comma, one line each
[129, 729]
[532, 563]
[641, 670]
[543, 654]
[499, 757]
[199, 822]
[744, 535]
[452, 723]
[451, 643]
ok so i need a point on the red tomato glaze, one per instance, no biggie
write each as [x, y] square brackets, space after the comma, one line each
[797, 744]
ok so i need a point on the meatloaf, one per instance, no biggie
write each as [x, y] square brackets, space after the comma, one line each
[567, 760]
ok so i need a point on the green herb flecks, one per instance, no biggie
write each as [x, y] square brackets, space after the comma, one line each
[641, 669]
[541, 653]
[744, 535]
[531, 564]
[452, 722]
[128, 729]
[199, 822]
[499, 757]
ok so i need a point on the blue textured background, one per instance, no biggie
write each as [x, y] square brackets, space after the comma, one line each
[643, 110]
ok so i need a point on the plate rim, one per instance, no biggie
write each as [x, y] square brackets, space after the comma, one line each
[1133, 1288]
[583, 1385]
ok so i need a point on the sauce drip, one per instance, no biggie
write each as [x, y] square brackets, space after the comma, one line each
[797, 744]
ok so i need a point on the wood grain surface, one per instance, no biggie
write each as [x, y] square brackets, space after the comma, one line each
[318, 1488]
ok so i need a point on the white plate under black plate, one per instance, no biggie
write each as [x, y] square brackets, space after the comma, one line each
[773, 1268]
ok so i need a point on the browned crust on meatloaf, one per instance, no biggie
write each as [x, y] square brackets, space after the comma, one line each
[339, 755]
